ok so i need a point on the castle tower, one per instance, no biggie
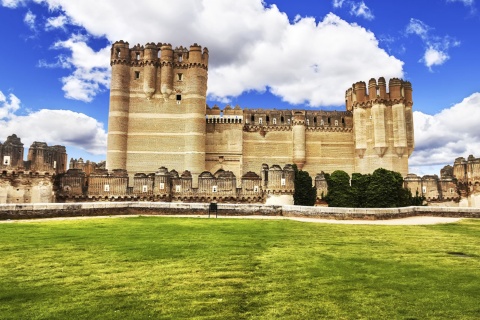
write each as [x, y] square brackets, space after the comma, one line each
[119, 106]
[383, 124]
[298, 130]
[12, 152]
[157, 108]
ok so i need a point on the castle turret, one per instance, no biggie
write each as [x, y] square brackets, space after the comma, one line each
[398, 114]
[383, 124]
[298, 129]
[166, 75]
[119, 106]
[150, 63]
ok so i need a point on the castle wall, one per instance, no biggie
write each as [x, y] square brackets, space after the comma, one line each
[26, 187]
[224, 146]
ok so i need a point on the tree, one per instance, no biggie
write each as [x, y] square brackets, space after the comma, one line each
[382, 189]
[339, 190]
[305, 193]
[386, 190]
[360, 183]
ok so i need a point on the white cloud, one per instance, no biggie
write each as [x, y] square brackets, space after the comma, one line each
[436, 48]
[434, 57]
[56, 22]
[419, 28]
[91, 69]
[8, 106]
[439, 139]
[338, 3]
[357, 8]
[252, 47]
[360, 9]
[13, 3]
[29, 20]
[63, 127]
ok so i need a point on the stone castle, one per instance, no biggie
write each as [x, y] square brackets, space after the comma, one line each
[32, 180]
[158, 117]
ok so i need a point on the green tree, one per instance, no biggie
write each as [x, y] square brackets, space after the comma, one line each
[305, 193]
[360, 183]
[339, 190]
[386, 190]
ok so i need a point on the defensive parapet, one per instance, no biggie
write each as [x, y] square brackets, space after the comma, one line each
[383, 124]
[18, 186]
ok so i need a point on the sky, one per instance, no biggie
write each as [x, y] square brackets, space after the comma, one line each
[283, 54]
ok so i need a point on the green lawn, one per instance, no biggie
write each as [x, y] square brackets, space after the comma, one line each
[182, 268]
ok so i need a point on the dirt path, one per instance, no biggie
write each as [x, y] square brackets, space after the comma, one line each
[393, 222]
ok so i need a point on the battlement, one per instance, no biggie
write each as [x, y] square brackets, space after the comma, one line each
[400, 91]
[8, 173]
[158, 54]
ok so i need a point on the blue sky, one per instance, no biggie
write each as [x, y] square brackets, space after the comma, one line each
[54, 63]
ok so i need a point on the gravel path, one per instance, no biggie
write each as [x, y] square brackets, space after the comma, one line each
[393, 222]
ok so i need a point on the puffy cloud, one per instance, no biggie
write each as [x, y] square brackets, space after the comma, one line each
[252, 47]
[434, 57]
[8, 106]
[29, 20]
[436, 48]
[451, 133]
[91, 69]
[62, 127]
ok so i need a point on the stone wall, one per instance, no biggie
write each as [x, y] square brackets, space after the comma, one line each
[29, 211]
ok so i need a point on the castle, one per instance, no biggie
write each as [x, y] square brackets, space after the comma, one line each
[158, 117]
[32, 180]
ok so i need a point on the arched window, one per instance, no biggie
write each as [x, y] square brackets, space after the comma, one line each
[274, 120]
[260, 120]
[282, 119]
[336, 122]
[252, 118]
[267, 119]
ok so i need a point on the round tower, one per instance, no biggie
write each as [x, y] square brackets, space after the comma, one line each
[298, 129]
[398, 116]
[193, 100]
[119, 101]
[150, 63]
[166, 74]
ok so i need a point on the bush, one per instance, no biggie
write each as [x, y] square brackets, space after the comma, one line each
[382, 189]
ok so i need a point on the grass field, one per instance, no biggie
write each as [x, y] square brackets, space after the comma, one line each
[182, 268]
